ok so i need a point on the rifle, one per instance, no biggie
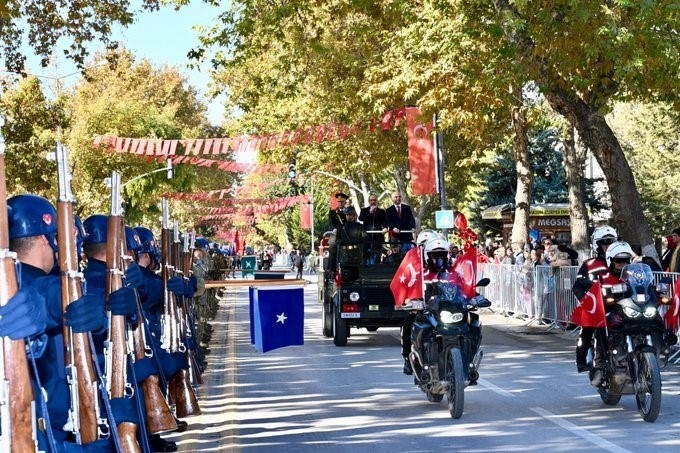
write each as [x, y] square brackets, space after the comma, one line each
[115, 349]
[180, 384]
[185, 260]
[159, 417]
[17, 407]
[83, 415]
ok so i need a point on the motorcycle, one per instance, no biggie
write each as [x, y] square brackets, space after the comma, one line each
[625, 354]
[446, 341]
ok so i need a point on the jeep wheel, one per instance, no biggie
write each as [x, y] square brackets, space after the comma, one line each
[326, 321]
[340, 329]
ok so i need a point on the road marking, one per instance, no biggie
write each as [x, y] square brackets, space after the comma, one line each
[494, 388]
[581, 432]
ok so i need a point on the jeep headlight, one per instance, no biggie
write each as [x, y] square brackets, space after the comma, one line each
[650, 312]
[449, 318]
[354, 296]
[631, 313]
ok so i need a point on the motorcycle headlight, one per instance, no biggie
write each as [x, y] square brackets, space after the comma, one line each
[354, 296]
[650, 312]
[631, 313]
[449, 318]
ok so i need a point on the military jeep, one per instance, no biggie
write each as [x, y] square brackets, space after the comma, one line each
[354, 287]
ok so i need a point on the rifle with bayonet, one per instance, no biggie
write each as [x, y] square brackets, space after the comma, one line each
[159, 417]
[17, 407]
[116, 351]
[83, 415]
[186, 403]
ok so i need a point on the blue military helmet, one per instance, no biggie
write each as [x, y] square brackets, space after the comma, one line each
[148, 243]
[31, 215]
[96, 227]
[132, 240]
[201, 243]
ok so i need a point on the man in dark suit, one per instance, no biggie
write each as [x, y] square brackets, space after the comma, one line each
[400, 218]
[374, 218]
[336, 217]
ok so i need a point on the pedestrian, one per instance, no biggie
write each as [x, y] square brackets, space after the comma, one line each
[298, 264]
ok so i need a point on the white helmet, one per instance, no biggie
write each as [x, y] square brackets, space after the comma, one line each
[436, 254]
[436, 244]
[619, 250]
[603, 233]
[424, 236]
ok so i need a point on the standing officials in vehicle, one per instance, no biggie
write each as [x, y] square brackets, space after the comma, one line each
[400, 219]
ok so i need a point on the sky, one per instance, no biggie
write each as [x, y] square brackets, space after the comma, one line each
[163, 37]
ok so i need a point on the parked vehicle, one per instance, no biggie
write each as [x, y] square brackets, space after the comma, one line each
[446, 341]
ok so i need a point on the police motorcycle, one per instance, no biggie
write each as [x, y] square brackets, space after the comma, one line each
[447, 334]
[625, 354]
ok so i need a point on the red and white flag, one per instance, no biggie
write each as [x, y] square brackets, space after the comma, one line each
[421, 158]
[407, 282]
[466, 266]
[305, 214]
[673, 313]
[590, 311]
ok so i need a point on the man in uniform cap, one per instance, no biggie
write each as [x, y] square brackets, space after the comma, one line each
[337, 216]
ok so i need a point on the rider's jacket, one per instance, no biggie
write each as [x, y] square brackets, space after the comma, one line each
[587, 274]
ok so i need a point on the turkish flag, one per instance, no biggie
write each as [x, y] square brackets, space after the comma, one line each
[407, 282]
[466, 266]
[305, 214]
[590, 311]
[237, 245]
[673, 313]
[421, 156]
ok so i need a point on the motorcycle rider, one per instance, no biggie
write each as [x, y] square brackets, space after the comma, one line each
[434, 258]
[589, 271]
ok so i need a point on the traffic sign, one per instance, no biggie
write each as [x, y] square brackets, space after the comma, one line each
[443, 219]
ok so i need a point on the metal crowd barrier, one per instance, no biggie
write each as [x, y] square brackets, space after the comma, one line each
[540, 294]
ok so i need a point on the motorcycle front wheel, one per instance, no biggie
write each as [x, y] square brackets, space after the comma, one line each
[647, 385]
[456, 376]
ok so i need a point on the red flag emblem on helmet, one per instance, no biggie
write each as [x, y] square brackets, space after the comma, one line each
[47, 218]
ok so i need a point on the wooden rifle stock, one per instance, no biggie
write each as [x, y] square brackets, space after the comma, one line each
[186, 259]
[159, 417]
[186, 403]
[83, 419]
[117, 362]
[16, 394]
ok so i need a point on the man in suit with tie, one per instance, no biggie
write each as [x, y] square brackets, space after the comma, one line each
[400, 219]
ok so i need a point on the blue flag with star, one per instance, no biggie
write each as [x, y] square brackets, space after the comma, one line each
[278, 317]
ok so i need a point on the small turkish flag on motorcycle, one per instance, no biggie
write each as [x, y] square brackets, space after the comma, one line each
[590, 311]
[407, 282]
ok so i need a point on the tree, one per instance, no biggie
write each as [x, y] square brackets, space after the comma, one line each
[42, 23]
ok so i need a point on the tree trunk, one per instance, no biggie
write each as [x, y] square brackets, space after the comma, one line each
[574, 161]
[599, 138]
[525, 178]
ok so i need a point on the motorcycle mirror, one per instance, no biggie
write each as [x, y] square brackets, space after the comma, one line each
[484, 282]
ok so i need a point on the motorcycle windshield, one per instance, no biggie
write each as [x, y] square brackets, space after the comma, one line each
[640, 281]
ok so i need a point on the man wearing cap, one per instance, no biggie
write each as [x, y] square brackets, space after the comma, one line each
[337, 217]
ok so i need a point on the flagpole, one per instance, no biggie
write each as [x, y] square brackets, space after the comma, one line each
[439, 163]
[311, 209]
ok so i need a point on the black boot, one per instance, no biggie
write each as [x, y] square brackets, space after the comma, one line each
[162, 445]
[407, 367]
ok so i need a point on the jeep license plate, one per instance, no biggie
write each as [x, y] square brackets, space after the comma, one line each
[350, 315]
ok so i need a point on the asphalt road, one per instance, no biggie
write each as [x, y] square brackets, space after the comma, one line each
[322, 398]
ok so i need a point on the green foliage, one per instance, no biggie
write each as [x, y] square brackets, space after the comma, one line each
[40, 24]
[649, 136]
